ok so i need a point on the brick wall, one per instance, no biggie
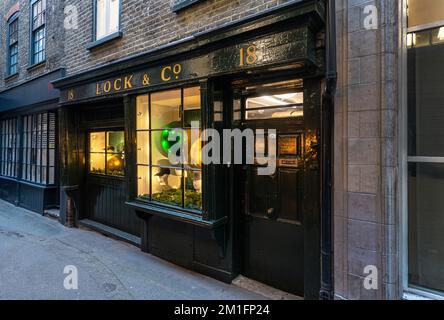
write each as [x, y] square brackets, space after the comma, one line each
[147, 24]
[365, 169]
[54, 41]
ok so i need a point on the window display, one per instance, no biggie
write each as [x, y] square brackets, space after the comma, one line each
[161, 116]
[106, 153]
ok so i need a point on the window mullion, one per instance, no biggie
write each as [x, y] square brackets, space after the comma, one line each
[150, 149]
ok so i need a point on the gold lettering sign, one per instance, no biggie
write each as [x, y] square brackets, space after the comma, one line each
[71, 94]
[128, 82]
[245, 55]
[169, 72]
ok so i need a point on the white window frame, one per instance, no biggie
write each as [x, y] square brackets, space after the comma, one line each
[408, 292]
[107, 17]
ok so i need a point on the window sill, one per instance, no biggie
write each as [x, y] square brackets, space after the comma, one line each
[183, 4]
[176, 215]
[12, 77]
[108, 38]
[36, 65]
[29, 183]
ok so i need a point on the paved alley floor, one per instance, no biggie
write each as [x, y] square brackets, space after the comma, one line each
[35, 250]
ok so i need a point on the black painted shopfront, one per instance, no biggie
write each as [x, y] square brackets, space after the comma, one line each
[28, 144]
[225, 219]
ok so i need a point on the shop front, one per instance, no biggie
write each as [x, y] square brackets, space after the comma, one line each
[224, 218]
[28, 144]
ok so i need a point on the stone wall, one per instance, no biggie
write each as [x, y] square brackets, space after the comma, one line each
[365, 150]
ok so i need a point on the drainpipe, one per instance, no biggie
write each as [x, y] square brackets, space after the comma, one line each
[326, 292]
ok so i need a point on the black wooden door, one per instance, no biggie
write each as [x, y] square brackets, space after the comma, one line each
[271, 205]
[273, 226]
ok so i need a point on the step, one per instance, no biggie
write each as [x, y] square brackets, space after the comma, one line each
[110, 231]
[53, 213]
[263, 289]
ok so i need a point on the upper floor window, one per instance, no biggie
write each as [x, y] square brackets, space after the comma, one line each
[38, 30]
[107, 18]
[12, 46]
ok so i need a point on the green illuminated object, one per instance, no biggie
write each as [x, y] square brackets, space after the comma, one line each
[165, 144]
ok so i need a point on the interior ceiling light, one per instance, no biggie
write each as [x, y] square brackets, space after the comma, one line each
[441, 34]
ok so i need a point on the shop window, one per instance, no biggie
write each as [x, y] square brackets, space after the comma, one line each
[425, 145]
[39, 148]
[276, 100]
[288, 105]
[9, 152]
[38, 31]
[13, 45]
[159, 180]
[107, 18]
[106, 153]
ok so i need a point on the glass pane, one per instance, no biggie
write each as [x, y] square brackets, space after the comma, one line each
[113, 16]
[236, 109]
[44, 175]
[51, 175]
[276, 100]
[167, 186]
[116, 142]
[425, 101]
[38, 174]
[165, 109]
[191, 105]
[193, 190]
[97, 142]
[52, 157]
[438, 36]
[97, 163]
[275, 113]
[143, 181]
[115, 164]
[101, 19]
[143, 148]
[194, 149]
[161, 147]
[142, 113]
[426, 225]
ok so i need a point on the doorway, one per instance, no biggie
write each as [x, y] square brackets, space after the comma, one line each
[270, 205]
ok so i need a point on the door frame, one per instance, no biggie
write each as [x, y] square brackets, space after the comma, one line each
[312, 88]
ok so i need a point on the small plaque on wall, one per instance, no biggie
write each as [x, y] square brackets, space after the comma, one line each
[288, 145]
